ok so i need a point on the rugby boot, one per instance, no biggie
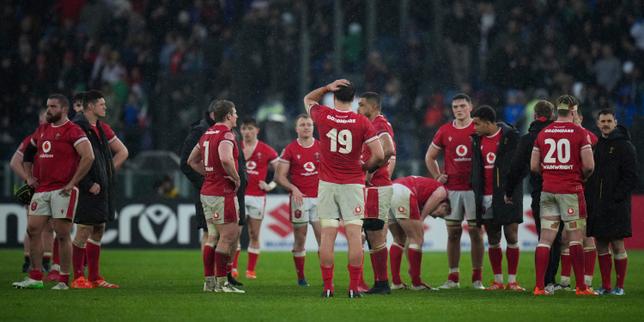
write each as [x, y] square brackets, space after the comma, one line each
[28, 283]
[495, 286]
[81, 282]
[233, 281]
[514, 286]
[540, 292]
[380, 287]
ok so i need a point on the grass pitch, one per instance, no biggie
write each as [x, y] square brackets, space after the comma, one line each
[165, 285]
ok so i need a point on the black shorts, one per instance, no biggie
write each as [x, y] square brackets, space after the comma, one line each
[93, 209]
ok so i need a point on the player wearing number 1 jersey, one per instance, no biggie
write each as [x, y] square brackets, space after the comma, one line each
[215, 157]
[342, 177]
[563, 155]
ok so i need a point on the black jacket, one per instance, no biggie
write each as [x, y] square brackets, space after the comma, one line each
[197, 129]
[521, 163]
[609, 188]
[503, 213]
[101, 172]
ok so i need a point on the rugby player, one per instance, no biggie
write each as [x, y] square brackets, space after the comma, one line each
[297, 172]
[453, 140]
[342, 176]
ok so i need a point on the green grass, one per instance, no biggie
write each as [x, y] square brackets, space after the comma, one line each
[165, 285]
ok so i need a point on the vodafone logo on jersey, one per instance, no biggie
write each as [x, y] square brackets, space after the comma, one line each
[461, 150]
[46, 148]
[251, 165]
[309, 166]
[490, 157]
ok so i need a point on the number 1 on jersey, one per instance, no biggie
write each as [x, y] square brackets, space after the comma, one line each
[206, 145]
[342, 138]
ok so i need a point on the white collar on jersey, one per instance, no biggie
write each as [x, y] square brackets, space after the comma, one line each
[464, 127]
[53, 125]
[306, 147]
[495, 133]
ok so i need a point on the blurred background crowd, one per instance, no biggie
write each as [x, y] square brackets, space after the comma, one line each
[160, 62]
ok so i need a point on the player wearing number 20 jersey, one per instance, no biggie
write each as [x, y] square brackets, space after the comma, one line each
[562, 153]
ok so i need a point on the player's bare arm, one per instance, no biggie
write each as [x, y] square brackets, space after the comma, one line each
[17, 166]
[225, 150]
[194, 160]
[433, 202]
[432, 164]
[535, 159]
[316, 95]
[84, 149]
[119, 152]
[377, 158]
[271, 185]
[388, 148]
[587, 161]
[281, 177]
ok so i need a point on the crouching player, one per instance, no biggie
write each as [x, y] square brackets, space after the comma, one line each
[300, 161]
[410, 194]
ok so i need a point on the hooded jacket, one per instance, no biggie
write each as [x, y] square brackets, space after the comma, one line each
[608, 191]
[503, 213]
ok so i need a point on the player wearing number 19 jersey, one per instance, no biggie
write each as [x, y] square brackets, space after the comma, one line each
[563, 155]
[341, 188]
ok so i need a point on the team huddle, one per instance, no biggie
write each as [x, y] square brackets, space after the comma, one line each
[344, 178]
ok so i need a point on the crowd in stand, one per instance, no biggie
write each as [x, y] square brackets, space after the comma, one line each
[504, 53]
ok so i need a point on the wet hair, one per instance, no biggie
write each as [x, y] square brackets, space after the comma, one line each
[220, 108]
[250, 121]
[302, 116]
[90, 97]
[345, 93]
[606, 111]
[62, 99]
[462, 96]
[485, 113]
[79, 97]
[544, 108]
[372, 97]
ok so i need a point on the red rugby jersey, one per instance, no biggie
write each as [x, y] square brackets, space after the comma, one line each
[215, 183]
[342, 134]
[56, 160]
[304, 163]
[560, 145]
[456, 143]
[257, 167]
[489, 146]
[381, 177]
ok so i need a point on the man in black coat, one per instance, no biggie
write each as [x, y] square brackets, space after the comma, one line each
[95, 190]
[520, 167]
[609, 198]
[197, 129]
[493, 146]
